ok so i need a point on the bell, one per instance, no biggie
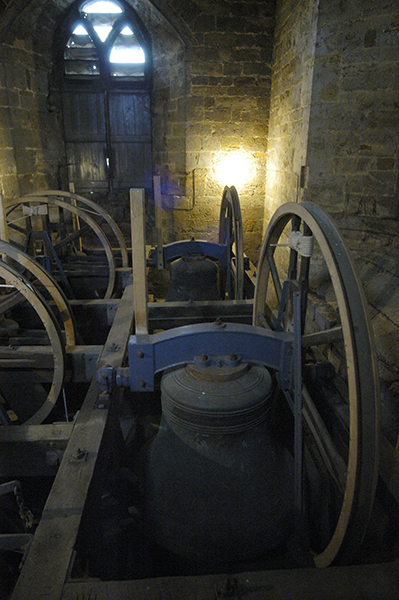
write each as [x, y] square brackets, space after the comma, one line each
[218, 487]
[193, 278]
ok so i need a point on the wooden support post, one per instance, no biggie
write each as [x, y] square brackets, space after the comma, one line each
[3, 227]
[137, 216]
[75, 218]
[158, 220]
[3, 221]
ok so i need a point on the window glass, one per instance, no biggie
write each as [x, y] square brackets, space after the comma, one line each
[104, 38]
[80, 54]
[127, 56]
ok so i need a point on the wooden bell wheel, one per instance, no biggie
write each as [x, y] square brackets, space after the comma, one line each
[303, 250]
[32, 352]
[58, 239]
[231, 235]
[99, 214]
[49, 288]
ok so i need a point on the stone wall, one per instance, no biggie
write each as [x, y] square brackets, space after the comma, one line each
[353, 138]
[293, 60]
[30, 139]
[225, 109]
[353, 158]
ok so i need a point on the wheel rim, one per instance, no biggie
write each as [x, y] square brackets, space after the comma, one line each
[55, 371]
[230, 234]
[362, 458]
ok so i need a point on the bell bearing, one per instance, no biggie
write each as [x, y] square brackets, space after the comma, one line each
[219, 487]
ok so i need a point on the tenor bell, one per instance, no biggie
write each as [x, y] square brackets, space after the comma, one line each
[218, 485]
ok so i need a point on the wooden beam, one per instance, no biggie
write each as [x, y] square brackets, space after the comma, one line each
[81, 361]
[55, 432]
[137, 210]
[32, 450]
[164, 315]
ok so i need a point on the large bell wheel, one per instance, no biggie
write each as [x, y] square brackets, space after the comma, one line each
[94, 210]
[32, 352]
[65, 238]
[231, 235]
[49, 288]
[303, 250]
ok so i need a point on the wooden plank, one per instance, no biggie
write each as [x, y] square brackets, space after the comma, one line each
[367, 582]
[137, 211]
[46, 567]
[55, 432]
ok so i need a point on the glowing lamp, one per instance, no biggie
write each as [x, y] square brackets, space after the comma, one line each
[233, 168]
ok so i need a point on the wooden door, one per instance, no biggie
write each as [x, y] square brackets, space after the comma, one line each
[130, 125]
[108, 139]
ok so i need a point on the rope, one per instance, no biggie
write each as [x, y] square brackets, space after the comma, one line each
[303, 244]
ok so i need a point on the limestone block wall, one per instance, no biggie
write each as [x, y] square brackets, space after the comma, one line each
[291, 96]
[354, 122]
[30, 138]
[224, 110]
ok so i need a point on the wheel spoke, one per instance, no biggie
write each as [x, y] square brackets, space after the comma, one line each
[274, 273]
[332, 459]
[90, 208]
[318, 338]
[42, 280]
[71, 237]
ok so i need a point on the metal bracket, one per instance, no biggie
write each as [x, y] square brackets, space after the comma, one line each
[106, 378]
[150, 354]
[80, 456]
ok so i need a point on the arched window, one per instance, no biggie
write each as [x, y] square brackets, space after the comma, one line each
[105, 40]
[103, 65]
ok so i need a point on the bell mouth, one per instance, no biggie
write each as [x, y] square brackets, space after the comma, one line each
[213, 399]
